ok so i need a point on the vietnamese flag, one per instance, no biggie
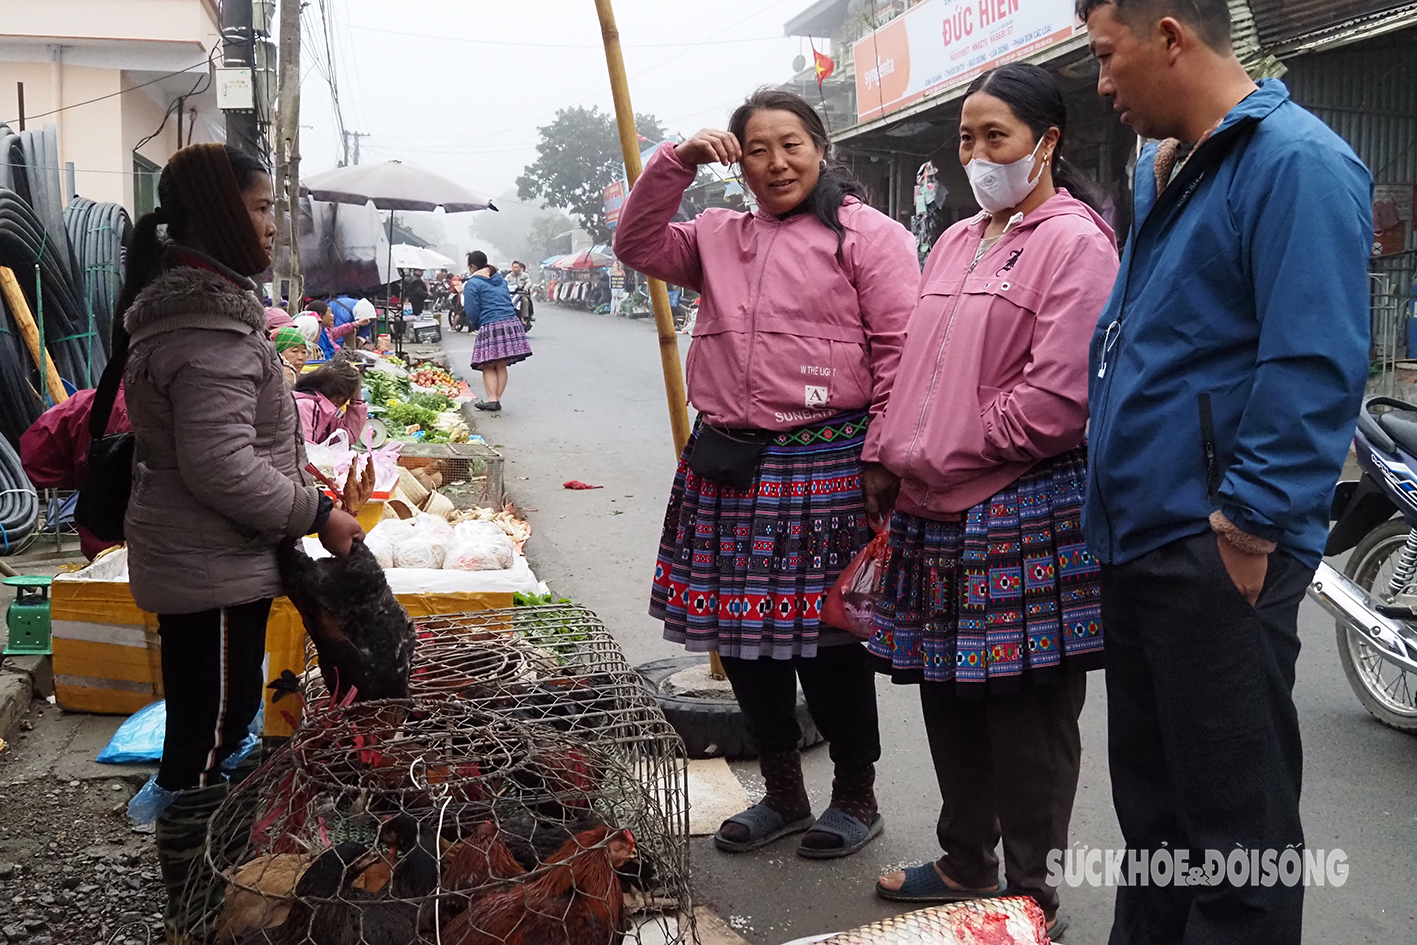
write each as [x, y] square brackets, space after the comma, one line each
[824, 66]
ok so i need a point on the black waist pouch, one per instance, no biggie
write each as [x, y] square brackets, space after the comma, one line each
[729, 457]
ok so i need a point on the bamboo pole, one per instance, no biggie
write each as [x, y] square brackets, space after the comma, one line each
[19, 308]
[658, 292]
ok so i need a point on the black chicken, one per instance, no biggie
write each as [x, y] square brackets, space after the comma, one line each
[364, 637]
[352, 895]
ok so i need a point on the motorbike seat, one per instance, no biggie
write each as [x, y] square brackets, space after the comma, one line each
[1401, 425]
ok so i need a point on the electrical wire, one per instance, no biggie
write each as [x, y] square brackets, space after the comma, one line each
[54, 111]
[176, 104]
[596, 46]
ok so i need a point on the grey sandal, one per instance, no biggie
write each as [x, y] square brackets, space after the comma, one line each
[853, 833]
[765, 826]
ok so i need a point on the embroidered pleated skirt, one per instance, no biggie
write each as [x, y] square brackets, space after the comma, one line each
[745, 571]
[1008, 591]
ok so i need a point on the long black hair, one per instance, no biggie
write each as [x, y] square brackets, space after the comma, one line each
[339, 380]
[834, 184]
[145, 252]
[1033, 95]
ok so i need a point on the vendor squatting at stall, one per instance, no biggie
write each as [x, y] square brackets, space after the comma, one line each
[217, 479]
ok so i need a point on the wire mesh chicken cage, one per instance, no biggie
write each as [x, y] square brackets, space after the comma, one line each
[472, 473]
[527, 792]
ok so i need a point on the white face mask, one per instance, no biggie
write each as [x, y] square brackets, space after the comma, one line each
[1001, 186]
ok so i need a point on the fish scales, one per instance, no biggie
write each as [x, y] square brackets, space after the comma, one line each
[1012, 920]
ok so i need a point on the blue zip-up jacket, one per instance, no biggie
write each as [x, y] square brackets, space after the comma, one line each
[1228, 367]
[487, 300]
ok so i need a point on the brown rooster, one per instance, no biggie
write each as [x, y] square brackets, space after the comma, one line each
[576, 901]
[478, 859]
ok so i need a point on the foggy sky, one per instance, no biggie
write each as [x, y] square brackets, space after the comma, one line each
[470, 110]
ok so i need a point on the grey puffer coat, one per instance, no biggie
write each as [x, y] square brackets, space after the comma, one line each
[218, 478]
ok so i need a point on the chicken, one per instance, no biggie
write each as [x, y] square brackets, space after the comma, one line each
[478, 859]
[576, 901]
[352, 894]
[363, 636]
[259, 894]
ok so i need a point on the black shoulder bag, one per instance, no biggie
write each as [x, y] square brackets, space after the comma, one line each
[108, 482]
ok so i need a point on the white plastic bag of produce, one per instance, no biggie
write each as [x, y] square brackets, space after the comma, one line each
[383, 549]
[493, 553]
[433, 526]
[477, 531]
[393, 530]
[420, 552]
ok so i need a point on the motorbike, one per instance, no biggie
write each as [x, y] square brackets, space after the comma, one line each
[1374, 597]
[526, 310]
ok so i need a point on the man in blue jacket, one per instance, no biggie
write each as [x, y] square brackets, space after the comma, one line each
[1226, 376]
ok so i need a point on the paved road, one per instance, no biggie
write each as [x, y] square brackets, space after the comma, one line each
[590, 406]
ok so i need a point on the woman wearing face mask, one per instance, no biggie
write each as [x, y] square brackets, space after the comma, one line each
[218, 481]
[801, 320]
[990, 600]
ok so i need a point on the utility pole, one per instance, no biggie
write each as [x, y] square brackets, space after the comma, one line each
[288, 274]
[238, 49]
[356, 135]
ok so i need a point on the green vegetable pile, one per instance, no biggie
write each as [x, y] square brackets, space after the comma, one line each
[434, 402]
[404, 414]
[384, 387]
[549, 630]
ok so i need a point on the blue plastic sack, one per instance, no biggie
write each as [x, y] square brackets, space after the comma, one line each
[138, 739]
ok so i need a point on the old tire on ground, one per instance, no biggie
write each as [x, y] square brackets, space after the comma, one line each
[710, 727]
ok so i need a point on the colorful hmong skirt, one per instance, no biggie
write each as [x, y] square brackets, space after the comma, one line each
[502, 340]
[746, 571]
[1009, 590]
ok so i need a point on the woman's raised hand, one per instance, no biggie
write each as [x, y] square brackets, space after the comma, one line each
[708, 146]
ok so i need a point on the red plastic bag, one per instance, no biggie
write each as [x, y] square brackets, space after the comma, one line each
[851, 602]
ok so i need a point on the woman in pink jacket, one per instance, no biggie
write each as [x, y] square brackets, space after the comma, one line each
[990, 599]
[803, 311]
[329, 399]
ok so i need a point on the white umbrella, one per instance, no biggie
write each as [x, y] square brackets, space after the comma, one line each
[394, 185]
[408, 256]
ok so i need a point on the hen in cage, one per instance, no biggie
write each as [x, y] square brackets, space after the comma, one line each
[434, 820]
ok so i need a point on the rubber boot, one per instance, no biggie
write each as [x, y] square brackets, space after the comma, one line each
[853, 793]
[786, 794]
[181, 837]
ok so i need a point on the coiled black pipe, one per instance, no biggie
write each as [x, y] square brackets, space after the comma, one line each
[25, 243]
[98, 233]
[19, 503]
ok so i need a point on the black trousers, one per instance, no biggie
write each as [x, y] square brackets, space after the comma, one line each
[211, 672]
[840, 686]
[1203, 737]
[1007, 766]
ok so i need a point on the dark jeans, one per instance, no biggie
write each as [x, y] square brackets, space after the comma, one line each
[211, 675]
[1203, 737]
[1007, 766]
[840, 686]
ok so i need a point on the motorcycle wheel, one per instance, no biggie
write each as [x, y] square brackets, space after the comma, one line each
[1386, 691]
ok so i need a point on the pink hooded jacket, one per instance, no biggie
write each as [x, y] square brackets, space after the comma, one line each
[786, 335]
[994, 375]
[319, 418]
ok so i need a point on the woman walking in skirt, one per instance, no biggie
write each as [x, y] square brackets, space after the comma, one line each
[803, 312]
[501, 340]
[991, 601]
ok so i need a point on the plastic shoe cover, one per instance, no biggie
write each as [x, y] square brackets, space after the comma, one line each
[150, 801]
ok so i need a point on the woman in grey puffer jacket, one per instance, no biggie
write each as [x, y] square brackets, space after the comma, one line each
[218, 477]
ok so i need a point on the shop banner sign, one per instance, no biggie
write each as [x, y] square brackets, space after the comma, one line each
[942, 44]
[614, 199]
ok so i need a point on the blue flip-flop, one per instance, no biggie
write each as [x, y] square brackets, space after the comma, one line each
[853, 833]
[923, 884]
[765, 826]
